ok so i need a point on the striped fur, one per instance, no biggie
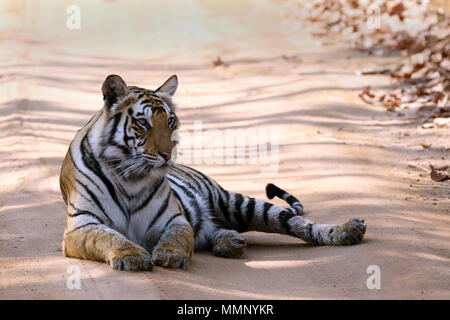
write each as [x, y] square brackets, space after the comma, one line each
[129, 205]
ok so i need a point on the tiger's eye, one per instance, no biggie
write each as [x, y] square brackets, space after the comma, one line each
[142, 121]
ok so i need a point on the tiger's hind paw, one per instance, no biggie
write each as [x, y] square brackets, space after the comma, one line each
[229, 245]
[351, 232]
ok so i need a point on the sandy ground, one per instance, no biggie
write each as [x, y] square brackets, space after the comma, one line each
[342, 158]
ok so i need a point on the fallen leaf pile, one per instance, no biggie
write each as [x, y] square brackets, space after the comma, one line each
[406, 28]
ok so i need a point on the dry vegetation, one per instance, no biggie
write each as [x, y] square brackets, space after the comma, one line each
[413, 30]
[407, 28]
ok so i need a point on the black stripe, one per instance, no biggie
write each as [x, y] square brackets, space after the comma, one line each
[154, 98]
[161, 210]
[238, 200]
[250, 210]
[215, 192]
[191, 196]
[185, 210]
[93, 197]
[171, 219]
[122, 148]
[150, 196]
[223, 207]
[77, 228]
[202, 177]
[272, 190]
[87, 199]
[291, 200]
[113, 130]
[206, 182]
[266, 209]
[93, 165]
[187, 191]
[90, 120]
[178, 170]
[310, 233]
[126, 137]
[194, 179]
[189, 180]
[83, 212]
[84, 174]
[284, 217]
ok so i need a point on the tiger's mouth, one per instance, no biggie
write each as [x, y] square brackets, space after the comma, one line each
[166, 155]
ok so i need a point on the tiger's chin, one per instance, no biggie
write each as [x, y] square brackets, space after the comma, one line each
[160, 171]
[156, 172]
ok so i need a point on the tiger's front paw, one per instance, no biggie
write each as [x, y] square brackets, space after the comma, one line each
[352, 232]
[132, 260]
[166, 255]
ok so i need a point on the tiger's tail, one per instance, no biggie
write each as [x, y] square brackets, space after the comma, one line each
[274, 191]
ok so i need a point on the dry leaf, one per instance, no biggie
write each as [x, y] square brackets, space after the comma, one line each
[219, 62]
[437, 97]
[370, 71]
[428, 126]
[436, 176]
[440, 122]
[424, 75]
[397, 9]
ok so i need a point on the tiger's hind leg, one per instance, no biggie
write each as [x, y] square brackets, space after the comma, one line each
[347, 233]
[249, 214]
[228, 244]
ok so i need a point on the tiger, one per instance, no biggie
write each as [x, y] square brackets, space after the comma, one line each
[132, 206]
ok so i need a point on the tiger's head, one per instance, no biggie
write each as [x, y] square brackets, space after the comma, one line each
[137, 139]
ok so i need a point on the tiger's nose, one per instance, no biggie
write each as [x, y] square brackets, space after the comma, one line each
[165, 155]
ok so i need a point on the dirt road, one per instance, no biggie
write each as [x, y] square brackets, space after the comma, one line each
[342, 158]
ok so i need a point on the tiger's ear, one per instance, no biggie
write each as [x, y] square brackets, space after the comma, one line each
[114, 89]
[170, 86]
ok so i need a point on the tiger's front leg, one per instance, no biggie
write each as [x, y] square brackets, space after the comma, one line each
[176, 245]
[95, 241]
